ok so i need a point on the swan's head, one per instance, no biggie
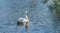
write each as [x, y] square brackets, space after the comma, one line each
[26, 12]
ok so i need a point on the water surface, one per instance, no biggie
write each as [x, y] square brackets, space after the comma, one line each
[41, 16]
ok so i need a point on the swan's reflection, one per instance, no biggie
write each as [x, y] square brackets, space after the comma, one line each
[26, 26]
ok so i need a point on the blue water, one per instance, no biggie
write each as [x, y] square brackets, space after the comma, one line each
[41, 16]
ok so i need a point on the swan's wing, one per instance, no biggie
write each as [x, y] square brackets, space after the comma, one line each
[20, 19]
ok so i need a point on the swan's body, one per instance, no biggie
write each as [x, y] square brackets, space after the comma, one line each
[23, 20]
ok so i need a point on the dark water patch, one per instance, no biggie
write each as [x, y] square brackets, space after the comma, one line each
[8, 24]
[35, 29]
[44, 1]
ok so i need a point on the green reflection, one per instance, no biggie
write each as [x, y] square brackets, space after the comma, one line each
[57, 7]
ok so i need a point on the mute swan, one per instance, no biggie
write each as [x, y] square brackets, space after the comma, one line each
[23, 20]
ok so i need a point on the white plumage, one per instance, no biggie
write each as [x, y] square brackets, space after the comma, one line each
[23, 20]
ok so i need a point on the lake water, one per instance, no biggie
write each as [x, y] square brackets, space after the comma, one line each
[41, 16]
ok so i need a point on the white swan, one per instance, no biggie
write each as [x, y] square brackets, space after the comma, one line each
[23, 20]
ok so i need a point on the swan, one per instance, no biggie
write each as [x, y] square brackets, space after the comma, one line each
[23, 20]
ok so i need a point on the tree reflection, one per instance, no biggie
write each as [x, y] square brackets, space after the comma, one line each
[57, 6]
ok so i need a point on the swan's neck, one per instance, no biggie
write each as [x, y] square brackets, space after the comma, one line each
[26, 16]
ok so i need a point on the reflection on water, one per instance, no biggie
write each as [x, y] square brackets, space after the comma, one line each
[57, 9]
[21, 24]
[26, 26]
